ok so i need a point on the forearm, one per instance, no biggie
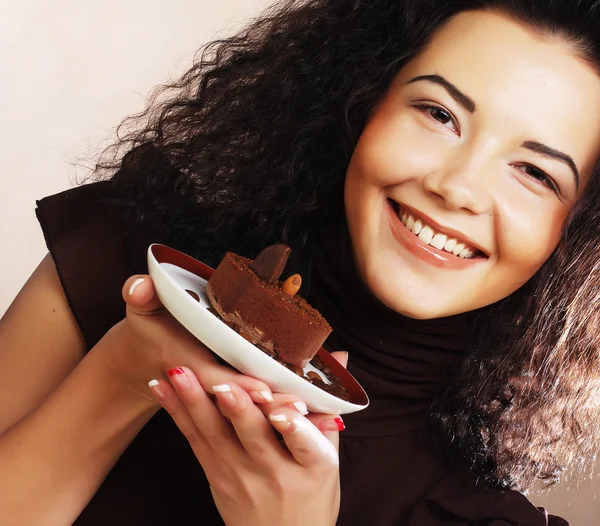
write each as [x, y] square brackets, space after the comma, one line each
[54, 460]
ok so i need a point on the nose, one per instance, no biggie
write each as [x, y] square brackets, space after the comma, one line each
[463, 182]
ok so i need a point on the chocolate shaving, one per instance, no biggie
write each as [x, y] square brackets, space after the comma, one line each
[269, 264]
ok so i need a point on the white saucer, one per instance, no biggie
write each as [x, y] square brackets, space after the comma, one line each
[175, 273]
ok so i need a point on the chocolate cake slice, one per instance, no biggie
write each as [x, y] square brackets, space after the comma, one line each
[247, 295]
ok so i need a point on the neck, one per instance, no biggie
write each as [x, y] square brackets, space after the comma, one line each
[395, 358]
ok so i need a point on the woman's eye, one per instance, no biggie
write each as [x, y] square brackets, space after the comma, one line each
[539, 175]
[441, 115]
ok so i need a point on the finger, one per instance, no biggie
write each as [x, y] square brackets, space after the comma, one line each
[140, 295]
[341, 357]
[210, 424]
[330, 426]
[216, 374]
[305, 441]
[284, 399]
[168, 399]
[252, 428]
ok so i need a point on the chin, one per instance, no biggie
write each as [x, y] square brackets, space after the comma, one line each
[406, 299]
[417, 311]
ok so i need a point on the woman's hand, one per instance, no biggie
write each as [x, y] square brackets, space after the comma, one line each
[149, 341]
[255, 479]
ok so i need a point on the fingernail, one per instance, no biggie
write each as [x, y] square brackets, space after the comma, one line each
[154, 386]
[135, 284]
[224, 393]
[179, 378]
[280, 422]
[301, 407]
[334, 424]
[262, 396]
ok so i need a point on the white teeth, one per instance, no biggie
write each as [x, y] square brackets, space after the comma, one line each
[426, 234]
[417, 227]
[450, 244]
[438, 241]
[458, 249]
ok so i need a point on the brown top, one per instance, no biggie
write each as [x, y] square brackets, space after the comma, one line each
[391, 473]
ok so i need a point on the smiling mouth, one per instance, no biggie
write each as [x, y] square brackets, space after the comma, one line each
[430, 236]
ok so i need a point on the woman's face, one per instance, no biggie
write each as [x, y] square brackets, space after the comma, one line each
[481, 146]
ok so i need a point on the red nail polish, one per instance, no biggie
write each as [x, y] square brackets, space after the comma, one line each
[332, 424]
[179, 379]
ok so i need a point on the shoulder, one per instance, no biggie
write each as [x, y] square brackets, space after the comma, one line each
[92, 253]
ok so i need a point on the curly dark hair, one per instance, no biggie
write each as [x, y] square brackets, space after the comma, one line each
[251, 146]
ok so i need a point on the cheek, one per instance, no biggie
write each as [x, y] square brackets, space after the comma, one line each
[526, 240]
[393, 149]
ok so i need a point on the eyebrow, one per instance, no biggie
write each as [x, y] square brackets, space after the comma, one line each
[469, 104]
[546, 151]
[464, 100]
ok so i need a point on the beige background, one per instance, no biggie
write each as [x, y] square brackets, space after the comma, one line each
[70, 71]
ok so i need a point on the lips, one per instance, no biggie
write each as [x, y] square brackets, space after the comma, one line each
[438, 237]
[424, 251]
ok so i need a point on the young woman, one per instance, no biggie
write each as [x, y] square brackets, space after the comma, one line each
[433, 165]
